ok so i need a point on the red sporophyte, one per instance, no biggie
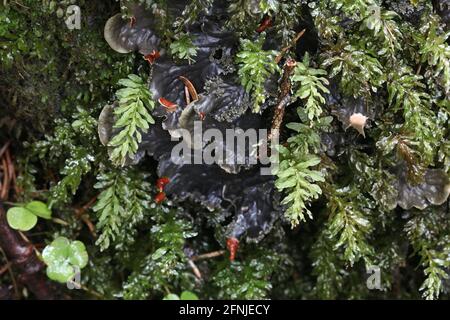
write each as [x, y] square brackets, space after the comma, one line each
[160, 197]
[132, 21]
[266, 23]
[169, 105]
[152, 56]
[232, 246]
[161, 183]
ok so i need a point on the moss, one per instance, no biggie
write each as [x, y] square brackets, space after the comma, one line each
[390, 68]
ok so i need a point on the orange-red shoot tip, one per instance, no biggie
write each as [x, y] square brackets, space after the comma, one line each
[160, 197]
[266, 23]
[232, 246]
[161, 183]
[152, 56]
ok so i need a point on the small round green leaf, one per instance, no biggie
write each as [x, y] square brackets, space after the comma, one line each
[78, 255]
[21, 219]
[187, 295]
[63, 257]
[61, 272]
[56, 252]
[40, 209]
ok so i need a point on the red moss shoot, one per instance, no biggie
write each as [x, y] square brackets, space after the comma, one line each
[232, 246]
[161, 183]
[152, 56]
[266, 23]
[160, 197]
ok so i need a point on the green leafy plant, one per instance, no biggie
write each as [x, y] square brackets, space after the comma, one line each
[166, 262]
[361, 73]
[25, 217]
[436, 51]
[132, 118]
[191, 13]
[300, 182]
[121, 205]
[295, 174]
[311, 87]
[244, 15]
[63, 257]
[432, 247]
[183, 48]
[350, 226]
[382, 23]
[406, 94]
[248, 279]
[255, 67]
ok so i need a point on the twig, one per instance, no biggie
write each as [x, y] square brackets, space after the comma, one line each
[89, 224]
[60, 221]
[208, 255]
[21, 5]
[293, 43]
[12, 171]
[194, 268]
[4, 148]
[79, 212]
[283, 98]
[6, 180]
[167, 290]
[25, 238]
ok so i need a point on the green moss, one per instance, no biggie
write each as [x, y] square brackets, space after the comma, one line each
[55, 81]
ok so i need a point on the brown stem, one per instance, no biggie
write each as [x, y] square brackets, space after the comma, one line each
[4, 148]
[195, 270]
[80, 213]
[208, 255]
[284, 97]
[293, 43]
[5, 185]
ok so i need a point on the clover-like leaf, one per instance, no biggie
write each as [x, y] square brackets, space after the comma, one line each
[78, 255]
[61, 272]
[21, 219]
[57, 251]
[40, 209]
[63, 257]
